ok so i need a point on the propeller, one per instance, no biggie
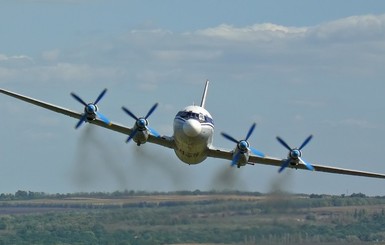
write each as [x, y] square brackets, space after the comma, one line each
[243, 145]
[295, 154]
[141, 122]
[91, 109]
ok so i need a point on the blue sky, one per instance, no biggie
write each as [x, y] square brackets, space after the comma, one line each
[293, 67]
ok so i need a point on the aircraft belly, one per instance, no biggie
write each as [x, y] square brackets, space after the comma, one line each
[192, 150]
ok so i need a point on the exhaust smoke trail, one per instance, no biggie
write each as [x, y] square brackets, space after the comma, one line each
[279, 199]
[166, 168]
[97, 160]
[228, 178]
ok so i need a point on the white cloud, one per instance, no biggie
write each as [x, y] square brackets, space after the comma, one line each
[6, 74]
[15, 58]
[245, 53]
[351, 29]
[51, 55]
[151, 31]
[57, 73]
[258, 32]
[74, 72]
[3, 57]
[189, 55]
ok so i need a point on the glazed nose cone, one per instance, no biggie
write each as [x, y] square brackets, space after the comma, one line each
[192, 128]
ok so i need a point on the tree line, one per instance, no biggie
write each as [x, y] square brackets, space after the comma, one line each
[29, 195]
[274, 219]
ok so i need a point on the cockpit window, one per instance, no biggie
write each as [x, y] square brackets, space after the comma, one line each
[191, 115]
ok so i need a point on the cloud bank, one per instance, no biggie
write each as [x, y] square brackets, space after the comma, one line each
[345, 43]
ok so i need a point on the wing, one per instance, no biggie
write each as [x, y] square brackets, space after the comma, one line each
[162, 140]
[228, 154]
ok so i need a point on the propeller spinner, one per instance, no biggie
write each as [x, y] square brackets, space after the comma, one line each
[141, 123]
[91, 110]
[243, 146]
[295, 154]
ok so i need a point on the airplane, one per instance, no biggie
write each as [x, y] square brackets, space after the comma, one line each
[192, 139]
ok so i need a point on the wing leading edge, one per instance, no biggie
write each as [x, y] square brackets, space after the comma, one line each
[169, 141]
[227, 154]
[162, 140]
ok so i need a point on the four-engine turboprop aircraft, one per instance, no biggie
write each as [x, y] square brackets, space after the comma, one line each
[193, 136]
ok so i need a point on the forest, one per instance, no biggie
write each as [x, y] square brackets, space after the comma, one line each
[190, 217]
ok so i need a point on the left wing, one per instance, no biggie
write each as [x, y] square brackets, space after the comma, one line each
[227, 154]
[161, 140]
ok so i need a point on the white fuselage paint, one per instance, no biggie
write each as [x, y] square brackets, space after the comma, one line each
[193, 134]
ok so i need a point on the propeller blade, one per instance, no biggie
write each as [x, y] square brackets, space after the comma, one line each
[130, 113]
[132, 135]
[250, 131]
[78, 99]
[256, 152]
[309, 166]
[153, 132]
[82, 119]
[305, 142]
[235, 159]
[151, 110]
[284, 143]
[229, 138]
[103, 118]
[284, 165]
[100, 96]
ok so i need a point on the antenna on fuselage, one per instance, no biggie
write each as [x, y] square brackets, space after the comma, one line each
[204, 94]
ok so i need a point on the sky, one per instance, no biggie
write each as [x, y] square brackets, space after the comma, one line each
[294, 67]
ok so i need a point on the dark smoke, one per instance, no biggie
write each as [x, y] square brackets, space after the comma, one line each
[97, 159]
[279, 199]
[228, 178]
[281, 182]
[164, 164]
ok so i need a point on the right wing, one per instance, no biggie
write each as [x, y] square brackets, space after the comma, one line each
[165, 141]
[228, 154]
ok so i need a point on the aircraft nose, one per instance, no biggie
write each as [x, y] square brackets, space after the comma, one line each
[192, 127]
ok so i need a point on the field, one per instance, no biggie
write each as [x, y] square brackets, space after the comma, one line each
[191, 218]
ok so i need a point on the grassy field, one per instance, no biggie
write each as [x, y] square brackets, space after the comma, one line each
[204, 218]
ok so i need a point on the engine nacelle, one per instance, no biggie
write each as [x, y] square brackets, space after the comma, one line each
[90, 111]
[241, 156]
[141, 136]
[294, 156]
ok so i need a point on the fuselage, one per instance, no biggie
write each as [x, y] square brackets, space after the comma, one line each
[193, 134]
